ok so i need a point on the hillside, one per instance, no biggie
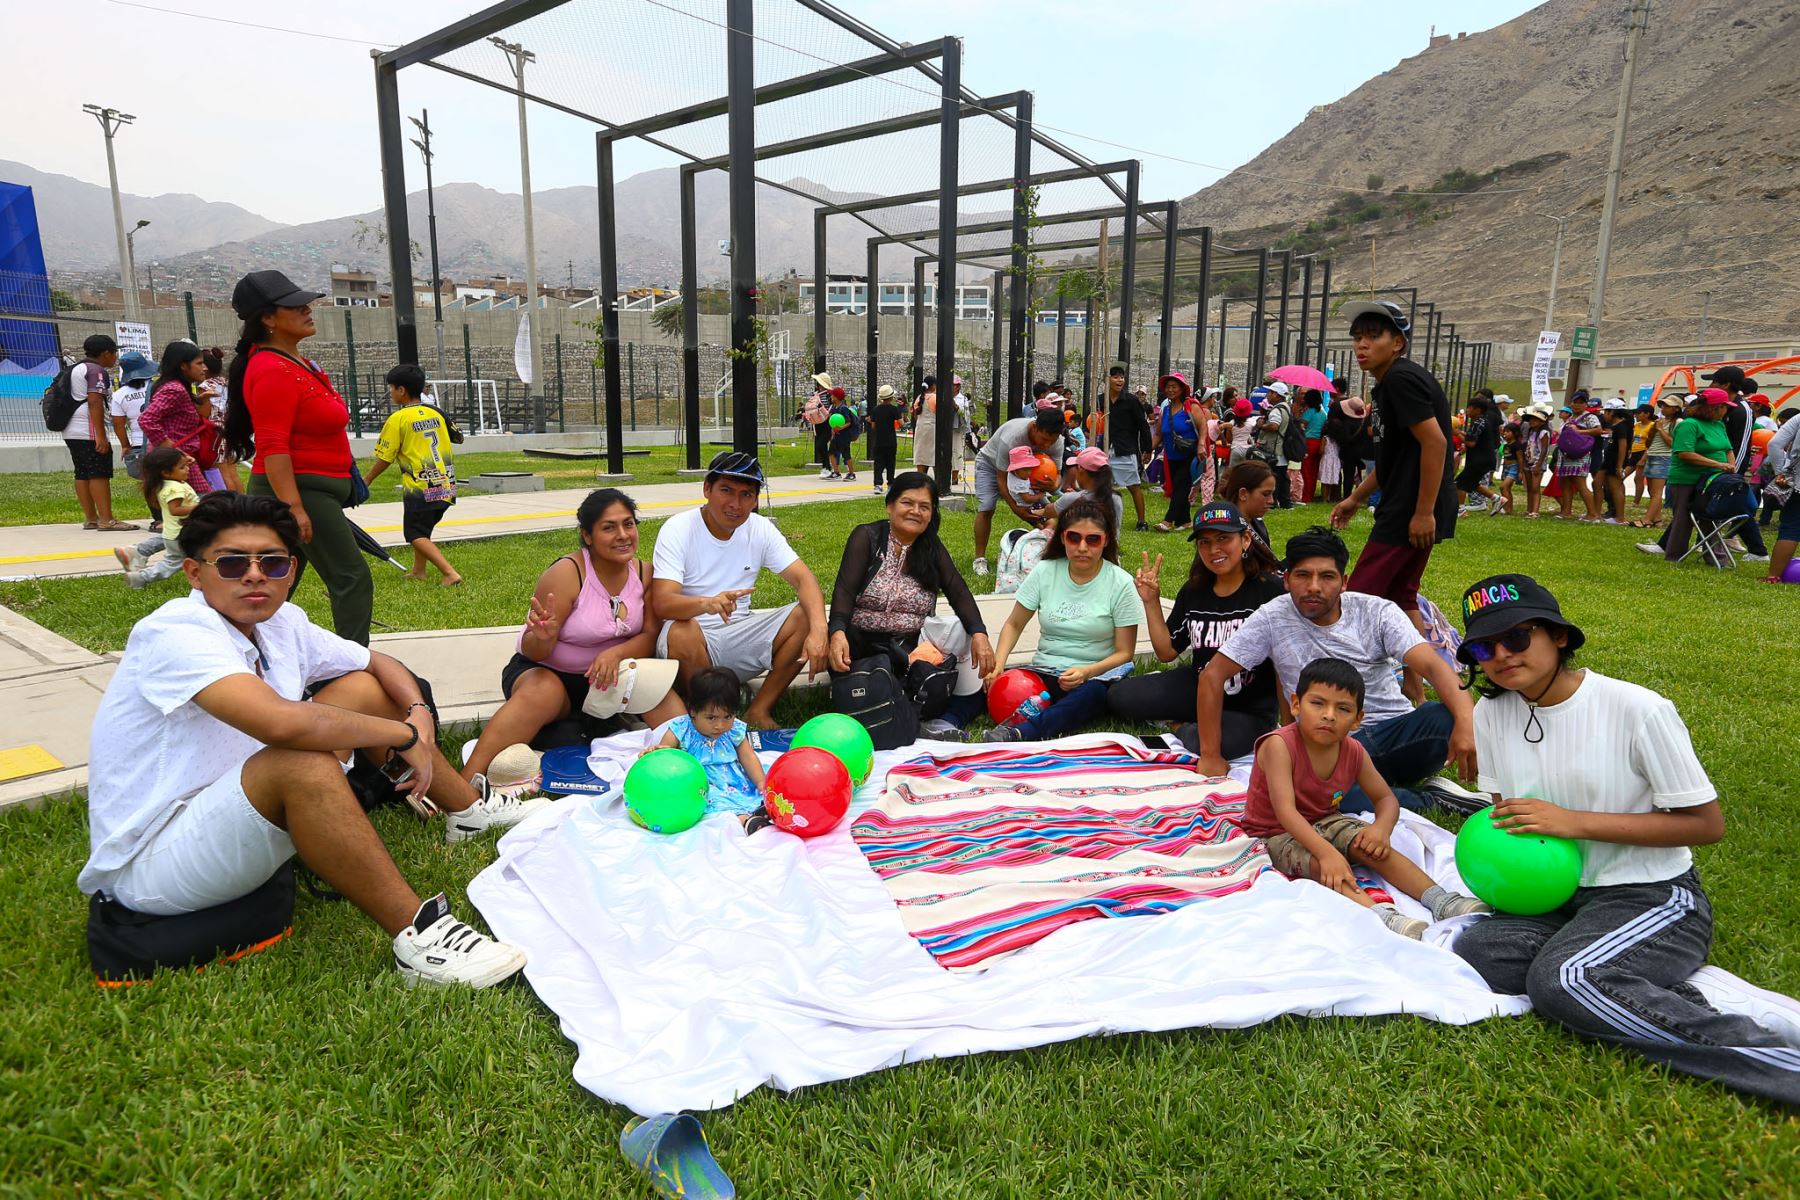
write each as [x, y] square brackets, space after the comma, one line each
[481, 233]
[75, 220]
[1522, 115]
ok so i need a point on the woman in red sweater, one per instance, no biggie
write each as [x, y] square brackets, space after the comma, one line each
[286, 416]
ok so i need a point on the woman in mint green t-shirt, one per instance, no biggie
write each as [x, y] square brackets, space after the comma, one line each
[1702, 449]
[1088, 615]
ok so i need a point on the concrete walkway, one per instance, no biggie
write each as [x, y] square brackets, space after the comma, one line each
[45, 551]
[50, 688]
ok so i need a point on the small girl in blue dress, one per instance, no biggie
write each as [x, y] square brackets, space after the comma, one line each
[713, 734]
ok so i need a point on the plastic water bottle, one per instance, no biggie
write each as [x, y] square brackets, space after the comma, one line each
[1030, 708]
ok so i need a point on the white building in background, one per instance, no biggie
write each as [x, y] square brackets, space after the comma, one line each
[849, 295]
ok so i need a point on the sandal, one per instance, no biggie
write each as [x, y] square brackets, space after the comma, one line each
[1164, 527]
[90, 525]
[117, 527]
[672, 1151]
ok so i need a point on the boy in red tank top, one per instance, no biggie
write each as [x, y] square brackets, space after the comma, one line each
[1300, 774]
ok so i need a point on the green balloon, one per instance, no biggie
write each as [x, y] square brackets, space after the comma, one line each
[1520, 873]
[845, 739]
[836, 421]
[665, 791]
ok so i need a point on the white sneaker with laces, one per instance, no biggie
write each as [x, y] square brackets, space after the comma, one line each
[492, 810]
[1450, 795]
[981, 567]
[825, 473]
[1651, 548]
[1778, 1014]
[1755, 558]
[439, 949]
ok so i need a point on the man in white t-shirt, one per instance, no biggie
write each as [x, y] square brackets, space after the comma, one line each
[135, 373]
[209, 769]
[1321, 620]
[706, 564]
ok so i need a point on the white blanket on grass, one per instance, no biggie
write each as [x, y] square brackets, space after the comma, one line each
[690, 970]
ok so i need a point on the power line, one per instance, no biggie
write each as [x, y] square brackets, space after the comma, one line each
[1176, 158]
[176, 12]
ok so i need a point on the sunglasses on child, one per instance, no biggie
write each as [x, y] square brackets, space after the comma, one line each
[1092, 541]
[1513, 640]
[236, 566]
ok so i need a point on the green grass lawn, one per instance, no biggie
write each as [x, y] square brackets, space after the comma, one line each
[49, 498]
[309, 1069]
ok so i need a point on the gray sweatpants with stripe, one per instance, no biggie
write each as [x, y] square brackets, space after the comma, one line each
[1613, 964]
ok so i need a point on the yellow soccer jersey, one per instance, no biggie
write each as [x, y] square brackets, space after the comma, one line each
[416, 438]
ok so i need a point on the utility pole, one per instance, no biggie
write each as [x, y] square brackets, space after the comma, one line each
[131, 256]
[516, 58]
[1638, 16]
[1705, 312]
[1555, 268]
[110, 120]
[422, 123]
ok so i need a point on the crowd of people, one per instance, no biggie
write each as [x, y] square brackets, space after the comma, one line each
[1310, 669]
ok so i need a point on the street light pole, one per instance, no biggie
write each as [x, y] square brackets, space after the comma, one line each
[110, 120]
[516, 57]
[1555, 268]
[1705, 312]
[422, 123]
[1639, 16]
[131, 258]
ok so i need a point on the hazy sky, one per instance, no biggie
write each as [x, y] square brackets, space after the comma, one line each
[283, 123]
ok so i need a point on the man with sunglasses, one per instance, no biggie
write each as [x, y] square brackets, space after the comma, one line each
[1323, 619]
[209, 771]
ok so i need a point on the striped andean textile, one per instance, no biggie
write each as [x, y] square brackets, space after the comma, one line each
[987, 851]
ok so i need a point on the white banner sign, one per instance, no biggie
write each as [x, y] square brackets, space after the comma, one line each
[522, 351]
[133, 335]
[1540, 366]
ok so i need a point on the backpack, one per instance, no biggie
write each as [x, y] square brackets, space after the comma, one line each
[1293, 439]
[1020, 550]
[931, 686]
[1572, 442]
[869, 692]
[1727, 495]
[59, 400]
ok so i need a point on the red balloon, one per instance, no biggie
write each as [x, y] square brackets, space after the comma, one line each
[1011, 690]
[807, 791]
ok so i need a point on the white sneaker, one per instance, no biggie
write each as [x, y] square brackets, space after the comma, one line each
[491, 810]
[981, 568]
[1400, 923]
[1452, 796]
[129, 558]
[1754, 557]
[1778, 1014]
[439, 949]
[825, 474]
[1651, 548]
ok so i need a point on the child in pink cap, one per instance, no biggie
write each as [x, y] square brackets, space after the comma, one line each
[1019, 465]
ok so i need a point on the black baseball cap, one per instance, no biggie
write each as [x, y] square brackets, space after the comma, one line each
[1218, 516]
[738, 465]
[1726, 377]
[1502, 602]
[1386, 309]
[259, 291]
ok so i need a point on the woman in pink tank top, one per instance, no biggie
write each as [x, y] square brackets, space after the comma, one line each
[590, 612]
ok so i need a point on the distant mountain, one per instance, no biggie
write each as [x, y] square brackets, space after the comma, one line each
[481, 233]
[1522, 117]
[76, 221]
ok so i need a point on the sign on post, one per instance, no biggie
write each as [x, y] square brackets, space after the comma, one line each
[133, 335]
[1540, 366]
[1581, 345]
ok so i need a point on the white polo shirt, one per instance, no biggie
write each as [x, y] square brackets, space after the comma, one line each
[152, 747]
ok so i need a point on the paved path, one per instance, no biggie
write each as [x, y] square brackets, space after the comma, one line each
[50, 688]
[59, 550]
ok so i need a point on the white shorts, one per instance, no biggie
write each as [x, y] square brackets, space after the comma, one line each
[1125, 470]
[215, 849]
[987, 486]
[746, 644]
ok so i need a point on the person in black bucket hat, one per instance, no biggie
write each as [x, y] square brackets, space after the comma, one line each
[1571, 753]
